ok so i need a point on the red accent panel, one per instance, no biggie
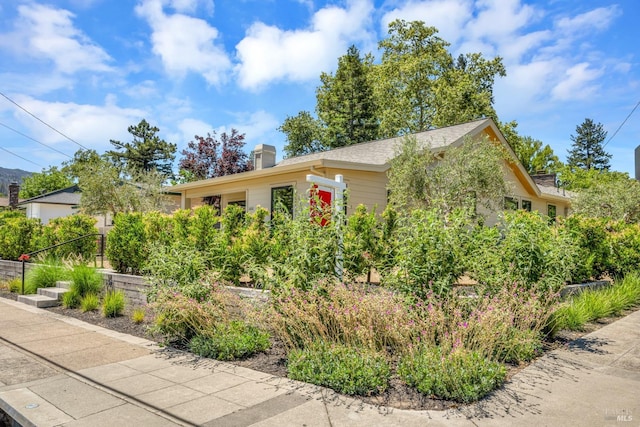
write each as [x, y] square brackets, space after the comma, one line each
[320, 203]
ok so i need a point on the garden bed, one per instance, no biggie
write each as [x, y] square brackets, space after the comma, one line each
[273, 361]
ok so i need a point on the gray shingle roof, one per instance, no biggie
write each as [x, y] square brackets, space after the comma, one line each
[65, 196]
[381, 151]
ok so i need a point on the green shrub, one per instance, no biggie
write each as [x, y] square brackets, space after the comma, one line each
[462, 376]
[594, 253]
[113, 304]
[63, 229]
[432, 254]
[138, 314]
[177, 266]
[230, 341]
[44, 276]
[126, 243]
[89, 302]
[348, 370]
[86, 280]
[624, 240]
[18, 235]
[70, 299]
[522, 248]
[362, 245]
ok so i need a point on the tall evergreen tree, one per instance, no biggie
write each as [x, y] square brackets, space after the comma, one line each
[345, 102]
[147, 152]
[587, 151]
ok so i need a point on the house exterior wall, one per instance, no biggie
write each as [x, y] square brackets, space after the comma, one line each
[46, 212]
[364, 187]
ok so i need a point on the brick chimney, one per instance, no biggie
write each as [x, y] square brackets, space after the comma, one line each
[14, 189]
[546, 179]
[264, 156]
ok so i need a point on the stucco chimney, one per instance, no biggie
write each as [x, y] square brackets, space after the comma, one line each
[638, 162]
[264, 156]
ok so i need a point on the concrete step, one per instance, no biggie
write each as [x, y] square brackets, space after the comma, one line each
[53, 292]
[39, 301]
[63, 284]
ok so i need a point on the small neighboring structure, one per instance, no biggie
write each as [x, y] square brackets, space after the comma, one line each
[52, 205]
[638, 163]
[364, 167]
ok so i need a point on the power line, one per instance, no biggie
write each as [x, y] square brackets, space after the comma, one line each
[35, 140]
[17, 155]
[41, 121]
[621, 124]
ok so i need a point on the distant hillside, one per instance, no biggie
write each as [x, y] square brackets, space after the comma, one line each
[7, 176]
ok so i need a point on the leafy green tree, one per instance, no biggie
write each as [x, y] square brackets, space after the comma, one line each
[587, 151]
[81, 159]
[464, 92]
[146, 152]
[608, 195]
[532, 154]
[413, 58]
[345, 102]
[44, 182]
[106, 188]
[303, 133]
[465, 176]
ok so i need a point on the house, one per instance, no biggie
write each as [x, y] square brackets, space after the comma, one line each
[364, 169]
[55, 204]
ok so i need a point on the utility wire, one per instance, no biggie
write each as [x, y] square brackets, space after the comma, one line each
[621, 124]
[41, 121]
[17, 155]
[35, 140]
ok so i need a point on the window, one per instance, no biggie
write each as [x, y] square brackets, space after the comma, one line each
[510, 204]
[526, 205]
[551, 212]
[282, 199]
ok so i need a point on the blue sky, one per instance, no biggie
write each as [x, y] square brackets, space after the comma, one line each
[91, 68]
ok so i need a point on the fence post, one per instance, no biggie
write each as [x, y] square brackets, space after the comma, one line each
[22, 290]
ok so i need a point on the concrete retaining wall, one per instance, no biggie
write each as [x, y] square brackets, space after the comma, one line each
[134, 287]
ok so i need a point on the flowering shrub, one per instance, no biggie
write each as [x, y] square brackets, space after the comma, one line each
[179, 318]
[340, 314]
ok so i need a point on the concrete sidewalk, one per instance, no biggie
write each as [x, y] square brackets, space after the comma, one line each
[60, 371]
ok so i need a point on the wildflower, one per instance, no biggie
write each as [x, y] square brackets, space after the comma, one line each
[24, 257]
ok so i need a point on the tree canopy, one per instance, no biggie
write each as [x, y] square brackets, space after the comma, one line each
[44, 182]
[345, 102]
[303, 133]
[534, 156]
[607, 194]
[146, 152]
[418, 85]
[465, 175]
[210, 157]
[587, 151]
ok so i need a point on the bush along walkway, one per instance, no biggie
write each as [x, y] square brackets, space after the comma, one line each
[82, 374]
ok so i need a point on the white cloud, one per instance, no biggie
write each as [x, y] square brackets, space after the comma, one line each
[577, 83]
[45, 32]
[448, 16]
[90, 125]
[597, 19]
[268, 53]
[185, 44]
